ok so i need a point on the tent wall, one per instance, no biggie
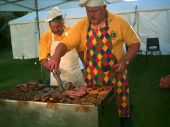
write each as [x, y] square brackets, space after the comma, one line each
[24, 41]
[155, 24]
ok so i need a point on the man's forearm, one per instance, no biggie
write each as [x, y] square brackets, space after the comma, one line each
[60, 51]
[54, 60]
[132, 51]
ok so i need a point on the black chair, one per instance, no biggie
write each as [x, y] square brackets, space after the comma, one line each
[152, 45]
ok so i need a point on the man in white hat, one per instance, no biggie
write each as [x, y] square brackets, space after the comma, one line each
[70, 70]
[101, 37]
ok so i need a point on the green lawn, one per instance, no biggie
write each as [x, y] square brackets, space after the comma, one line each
[13, 72]
[150, 104]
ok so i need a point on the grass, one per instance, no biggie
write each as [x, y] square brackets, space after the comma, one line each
[150, 104]
[13, 72]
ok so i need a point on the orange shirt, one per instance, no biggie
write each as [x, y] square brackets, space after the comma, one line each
[46, 41]
[119, 29]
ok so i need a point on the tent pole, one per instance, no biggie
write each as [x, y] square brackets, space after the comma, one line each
[37, 19]
[38, 31]
[136, 19]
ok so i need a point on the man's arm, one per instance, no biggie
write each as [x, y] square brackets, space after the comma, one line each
[54, 60]
[131, 52]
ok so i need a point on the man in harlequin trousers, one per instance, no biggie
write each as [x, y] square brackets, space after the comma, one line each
[101, 37]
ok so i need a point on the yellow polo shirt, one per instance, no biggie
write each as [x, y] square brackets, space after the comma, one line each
[119, 29]
[46, 41]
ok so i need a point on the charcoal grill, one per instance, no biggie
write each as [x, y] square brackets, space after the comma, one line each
[15, 113]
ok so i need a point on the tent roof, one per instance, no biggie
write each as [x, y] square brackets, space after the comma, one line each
[29, 5]
[68, 13]
[142, 5]
[121, 7]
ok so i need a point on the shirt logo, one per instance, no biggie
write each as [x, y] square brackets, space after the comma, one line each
[113, 34]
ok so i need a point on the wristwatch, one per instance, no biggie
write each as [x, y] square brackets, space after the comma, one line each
[126, 61]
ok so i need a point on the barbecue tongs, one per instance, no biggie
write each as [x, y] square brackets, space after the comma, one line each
[62, 85]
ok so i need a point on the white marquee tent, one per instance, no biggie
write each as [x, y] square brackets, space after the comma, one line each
[150, 18]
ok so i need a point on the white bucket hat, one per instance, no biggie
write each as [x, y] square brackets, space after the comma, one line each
[91, 3]
[55, 12]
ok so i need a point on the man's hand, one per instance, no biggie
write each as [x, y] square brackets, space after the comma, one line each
[53, 64]
[54, 60]
[121, 66]
[44, 63]
[131, 52]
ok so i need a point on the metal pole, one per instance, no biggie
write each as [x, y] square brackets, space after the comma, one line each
[137, 19]
[37, 19]
[38, 32]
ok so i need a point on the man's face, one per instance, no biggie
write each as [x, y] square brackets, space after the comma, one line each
[96, 14]
[57, 27]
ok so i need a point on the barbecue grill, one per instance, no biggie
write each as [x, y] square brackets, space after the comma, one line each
[15, 113]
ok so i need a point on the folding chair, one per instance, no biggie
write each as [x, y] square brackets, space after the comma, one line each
[152, 45]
